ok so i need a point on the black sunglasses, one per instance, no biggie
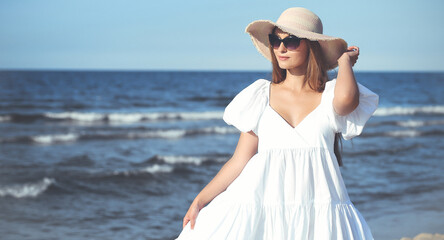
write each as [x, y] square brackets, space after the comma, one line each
[291, 42]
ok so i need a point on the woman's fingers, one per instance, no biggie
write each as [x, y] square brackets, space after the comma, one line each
[191, 216]
[353, 52]
[185, 221]
[193, 221]
[353, 48]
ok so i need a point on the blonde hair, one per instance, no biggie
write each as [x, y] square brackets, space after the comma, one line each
[315, 76]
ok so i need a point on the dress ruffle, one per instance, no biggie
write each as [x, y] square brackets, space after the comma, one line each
[281, 194]
[351, 125]
[244, 111]
[320, 221]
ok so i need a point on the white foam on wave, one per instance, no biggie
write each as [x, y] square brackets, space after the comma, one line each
[27, 189]
[134, 117]
[151, 169]
[418, 123]
[129, 117]
[182, 159]
[76, 116]
[48, 139]
[389, 111]
[161, 133]
[201, 115]
[172, 133]
[178, 133]
[137, 117]
[220, 130]
[177, 159]
[5, 118]
[158, 169]
[411, 123]
[404, 133]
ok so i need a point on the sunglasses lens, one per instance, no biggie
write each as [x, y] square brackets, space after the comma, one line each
[292, 43]
[274, 41]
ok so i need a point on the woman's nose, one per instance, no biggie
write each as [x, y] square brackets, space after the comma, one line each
[282, 47]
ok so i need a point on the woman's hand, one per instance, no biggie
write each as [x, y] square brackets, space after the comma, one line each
[192, 213]
[350, 56]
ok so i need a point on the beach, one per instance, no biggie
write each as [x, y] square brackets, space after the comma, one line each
[121, 155]
[426, 236]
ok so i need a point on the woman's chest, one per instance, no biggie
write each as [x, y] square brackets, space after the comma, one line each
[275, 132]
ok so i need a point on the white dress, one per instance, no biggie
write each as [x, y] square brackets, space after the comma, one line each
[292, 188]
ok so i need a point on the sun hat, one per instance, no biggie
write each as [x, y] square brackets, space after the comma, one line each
[301, 23]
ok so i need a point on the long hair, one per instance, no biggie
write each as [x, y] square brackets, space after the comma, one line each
[315, 76]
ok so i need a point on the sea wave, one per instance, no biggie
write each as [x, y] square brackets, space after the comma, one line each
[183, 159]
[386, 151]
[133, 117]
[27, 189]
[413, 133]
[120, 134]
[57, 138]
[418, 123]
[404, 133]
[5, 118]
[408, 123]
[163, 164]
[154, 169]
[401, 110]
[116, 118]
[158, 169]
[178, 133]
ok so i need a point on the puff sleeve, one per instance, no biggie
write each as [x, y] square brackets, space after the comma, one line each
[351, 125]
[244, 111]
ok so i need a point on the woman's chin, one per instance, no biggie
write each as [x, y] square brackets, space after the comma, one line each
[284, 66]
[287, 66]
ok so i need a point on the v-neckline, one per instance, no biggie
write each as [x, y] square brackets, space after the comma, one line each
[285, 120]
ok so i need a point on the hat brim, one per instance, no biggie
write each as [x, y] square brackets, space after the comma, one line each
[332, 47]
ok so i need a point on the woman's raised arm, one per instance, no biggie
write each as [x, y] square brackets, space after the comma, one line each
[346, 96]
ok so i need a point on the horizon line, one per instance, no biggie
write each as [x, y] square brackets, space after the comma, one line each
[187, 70]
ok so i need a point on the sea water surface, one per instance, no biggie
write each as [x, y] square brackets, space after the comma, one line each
[121, 155]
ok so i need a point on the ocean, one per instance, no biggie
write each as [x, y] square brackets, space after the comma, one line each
[121, 155]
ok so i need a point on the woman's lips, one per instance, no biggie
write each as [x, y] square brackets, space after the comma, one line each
[283, 58]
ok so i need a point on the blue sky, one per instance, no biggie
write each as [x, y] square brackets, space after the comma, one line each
[207, 34]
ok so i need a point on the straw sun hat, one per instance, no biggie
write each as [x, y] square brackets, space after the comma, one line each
[301, 23]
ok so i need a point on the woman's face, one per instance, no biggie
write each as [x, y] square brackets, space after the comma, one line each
[290, 59]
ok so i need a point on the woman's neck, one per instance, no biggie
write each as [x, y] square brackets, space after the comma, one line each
[295, 80]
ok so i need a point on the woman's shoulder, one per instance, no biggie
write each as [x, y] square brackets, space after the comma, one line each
[260, 83]
[330, 84]
[254, 92]
[258, 88]
[247, 106]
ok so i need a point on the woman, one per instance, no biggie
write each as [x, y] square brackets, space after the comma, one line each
[283, 180]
